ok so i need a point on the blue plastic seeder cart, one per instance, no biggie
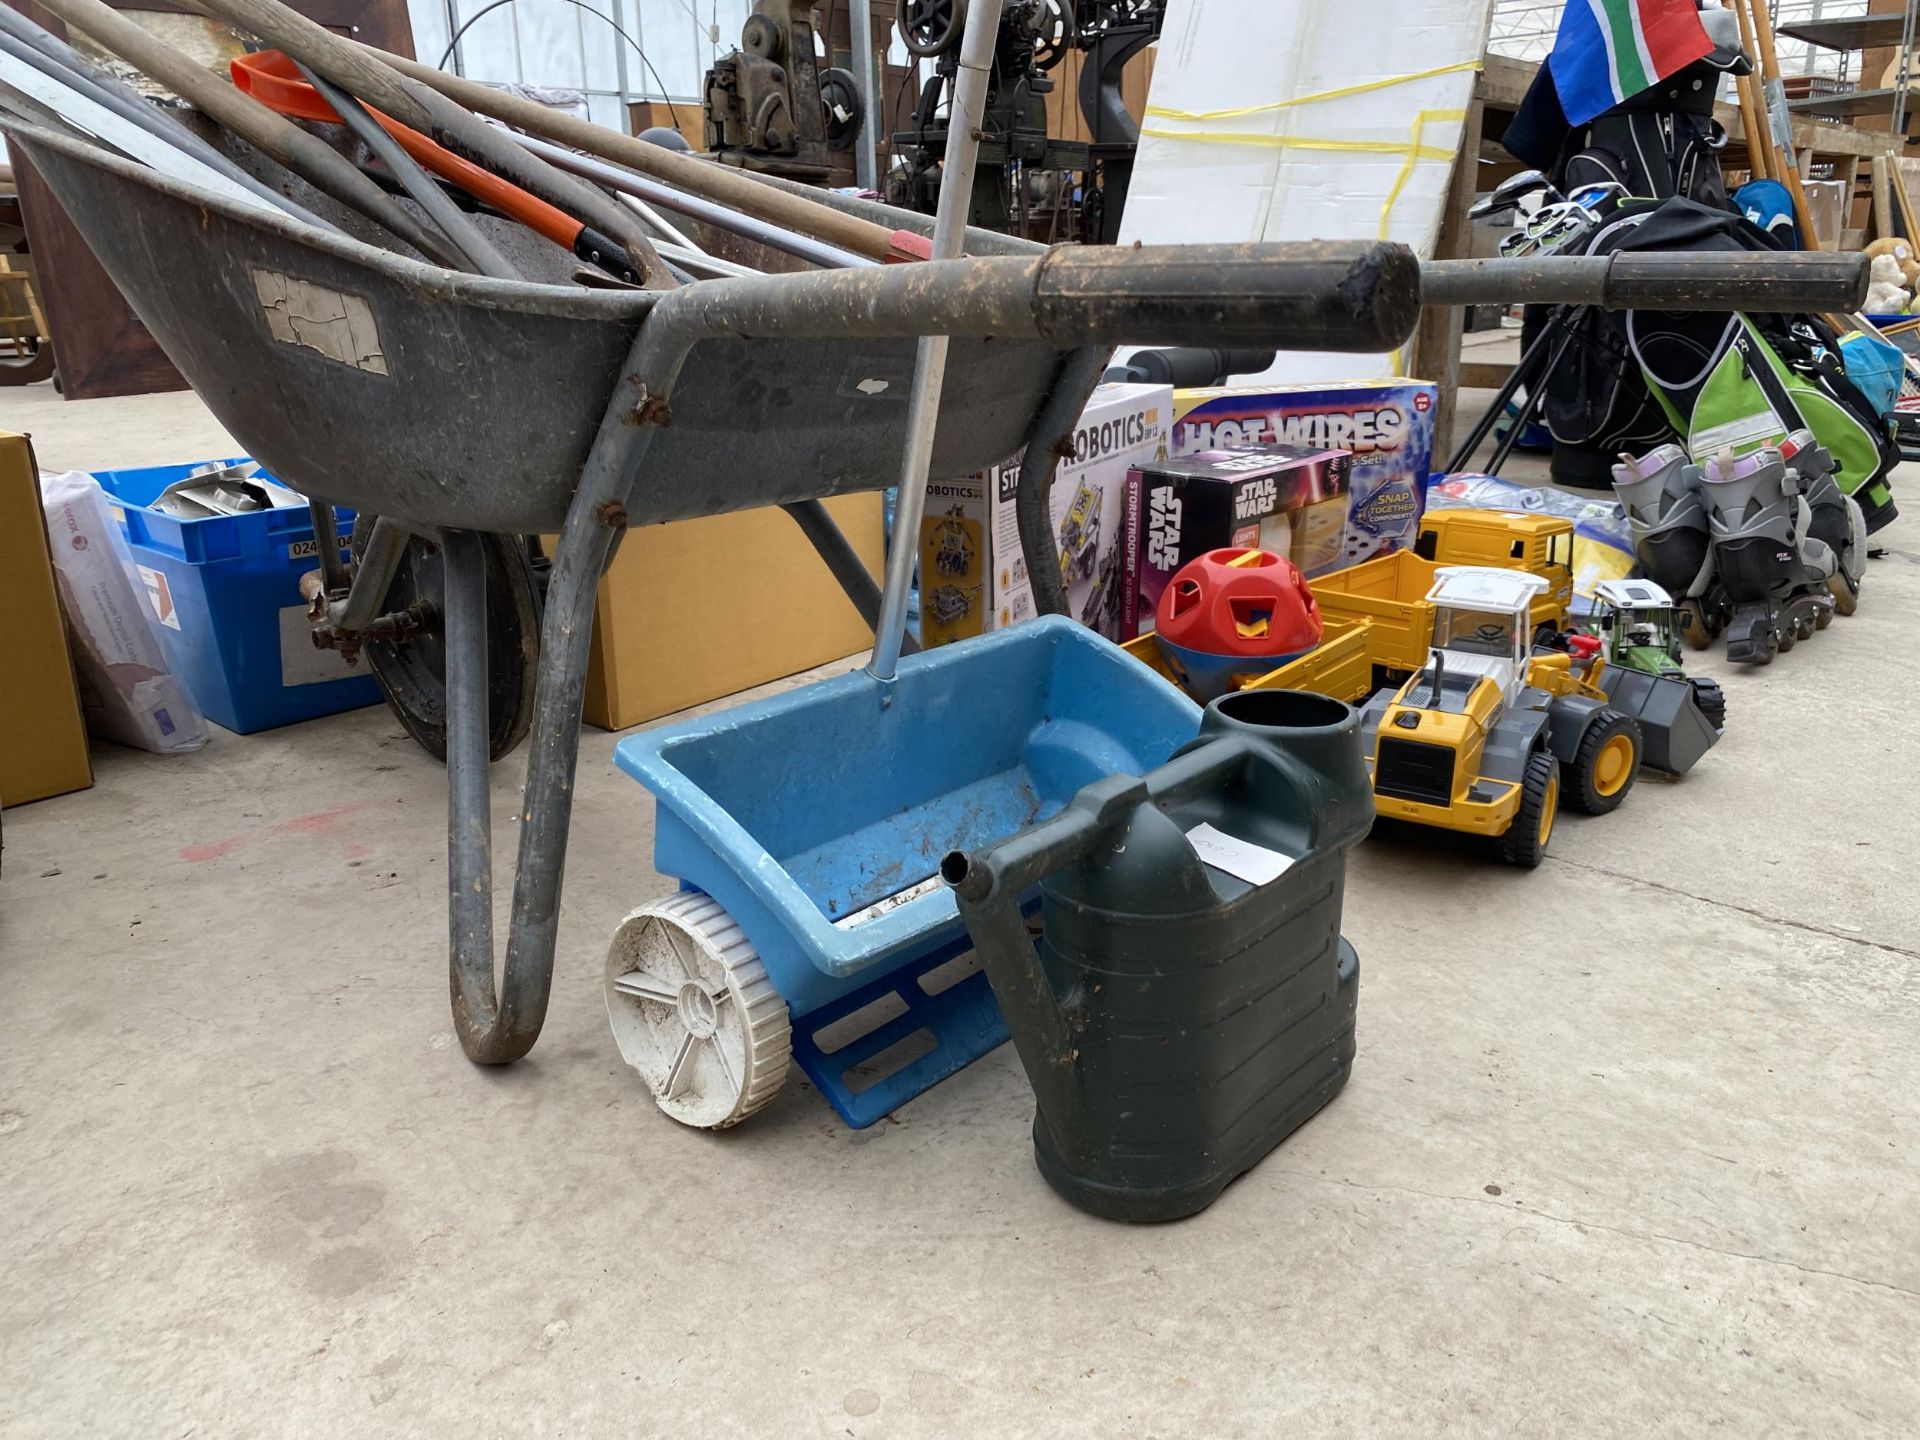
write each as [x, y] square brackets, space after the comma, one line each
[807, 830]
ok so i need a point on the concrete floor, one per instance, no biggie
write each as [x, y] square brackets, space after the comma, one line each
[1630, 1146]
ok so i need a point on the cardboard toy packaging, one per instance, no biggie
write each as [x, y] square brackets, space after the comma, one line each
[1290, 500]
[973, 573]
[1387, 426]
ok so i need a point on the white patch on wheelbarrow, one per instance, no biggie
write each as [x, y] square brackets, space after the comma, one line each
[339, 326]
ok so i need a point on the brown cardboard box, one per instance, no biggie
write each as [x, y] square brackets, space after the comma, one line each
[700, 609]
[43, 743]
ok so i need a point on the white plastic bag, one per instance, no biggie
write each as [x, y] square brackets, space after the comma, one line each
[126, 689]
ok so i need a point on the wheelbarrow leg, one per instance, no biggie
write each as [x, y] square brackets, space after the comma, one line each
[497, 1031]
[469, 807]
[1051, 441]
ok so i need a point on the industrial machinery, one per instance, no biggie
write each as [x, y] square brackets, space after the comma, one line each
[1034, 37]
[771, 106]
[1111, 33]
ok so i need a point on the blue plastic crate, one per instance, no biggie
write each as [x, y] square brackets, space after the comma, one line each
[227, 592]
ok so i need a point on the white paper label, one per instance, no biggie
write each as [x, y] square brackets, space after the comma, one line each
[1241, 859]
[160, 596]
[890, 904]
[1762, 426]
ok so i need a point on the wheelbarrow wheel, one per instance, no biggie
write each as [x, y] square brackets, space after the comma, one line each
[693, 1010]
[412, 673]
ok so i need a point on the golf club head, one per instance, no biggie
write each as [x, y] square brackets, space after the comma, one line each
[1508, 194]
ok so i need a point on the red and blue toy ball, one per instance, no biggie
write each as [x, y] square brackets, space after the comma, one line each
[1233, 613]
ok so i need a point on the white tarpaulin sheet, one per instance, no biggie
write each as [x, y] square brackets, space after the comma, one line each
[1306, 120]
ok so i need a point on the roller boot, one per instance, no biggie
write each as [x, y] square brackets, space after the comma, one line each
[1672, 539]
[1835, 521]
[1774, 572]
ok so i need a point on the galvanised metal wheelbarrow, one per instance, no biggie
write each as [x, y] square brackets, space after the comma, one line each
[464, 407]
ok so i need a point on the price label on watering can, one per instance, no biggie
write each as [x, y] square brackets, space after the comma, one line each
[1241, 859]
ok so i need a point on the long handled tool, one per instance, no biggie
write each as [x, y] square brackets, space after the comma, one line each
[276, 82]
[356, 71]
[27, 41]
[930, 364]
[699, 177]
[1786, 164]
[1753, 107]
[307, 156]
[49, 93]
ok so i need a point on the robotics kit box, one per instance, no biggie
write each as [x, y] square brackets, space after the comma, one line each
[1386, 425]
[973, 574]
[1289, 499]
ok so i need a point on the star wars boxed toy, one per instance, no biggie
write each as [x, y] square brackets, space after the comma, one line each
[1291, 500]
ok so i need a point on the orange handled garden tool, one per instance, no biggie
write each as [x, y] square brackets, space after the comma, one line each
[274, 80]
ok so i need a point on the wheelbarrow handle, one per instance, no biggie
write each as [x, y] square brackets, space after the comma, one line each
[1316, 296]
[1769, 284]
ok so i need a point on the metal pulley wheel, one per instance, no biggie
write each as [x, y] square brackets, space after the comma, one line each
[840, 99]
[412, 669]
[1056, 33]
[929, 28]
[761, 37]
[693, 1011]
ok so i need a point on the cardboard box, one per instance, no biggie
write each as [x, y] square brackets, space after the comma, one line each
[1291, 500]
[972, 568]
[43, 742]
[1387, 425]
[701, 609]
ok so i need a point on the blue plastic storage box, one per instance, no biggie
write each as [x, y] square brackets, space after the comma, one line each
[226, 590]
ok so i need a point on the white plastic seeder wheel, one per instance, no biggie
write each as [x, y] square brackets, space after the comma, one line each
[693, 1011]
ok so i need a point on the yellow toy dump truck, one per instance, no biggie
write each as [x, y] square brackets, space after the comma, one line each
[1391, 591]
[1486, 738]
[1506, 540]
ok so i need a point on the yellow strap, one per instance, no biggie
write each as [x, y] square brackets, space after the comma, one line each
[1309, 142]
[1364, 88]
[1413, 151]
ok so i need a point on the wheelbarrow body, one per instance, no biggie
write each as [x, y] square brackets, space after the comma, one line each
[818, 819]
[396, 387]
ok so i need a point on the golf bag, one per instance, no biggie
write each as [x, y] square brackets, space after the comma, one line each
[1661, 142]
[1628, 381]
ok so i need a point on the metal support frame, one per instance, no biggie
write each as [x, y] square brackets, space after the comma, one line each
[1073, 386]
[866, 159]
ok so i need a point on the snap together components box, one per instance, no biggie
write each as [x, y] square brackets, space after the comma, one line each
[1386, 425]
[1289, 500]
[973, 573]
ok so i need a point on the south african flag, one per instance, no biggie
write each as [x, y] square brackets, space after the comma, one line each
[1610, 50]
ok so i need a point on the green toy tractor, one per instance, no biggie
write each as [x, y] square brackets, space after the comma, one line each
[1634, 627]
